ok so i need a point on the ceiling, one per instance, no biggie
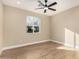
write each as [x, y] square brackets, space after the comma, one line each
[31, 5]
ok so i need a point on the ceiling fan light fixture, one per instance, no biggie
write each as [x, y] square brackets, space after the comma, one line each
[46, 8]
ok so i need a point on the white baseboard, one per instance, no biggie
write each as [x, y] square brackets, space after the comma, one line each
[21, 45]
[68, 45]
[57, 42]
[27, 44]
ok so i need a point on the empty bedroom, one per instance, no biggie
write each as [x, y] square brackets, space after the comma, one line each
[39, 29]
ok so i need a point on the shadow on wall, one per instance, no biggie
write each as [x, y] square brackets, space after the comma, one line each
[71, 38]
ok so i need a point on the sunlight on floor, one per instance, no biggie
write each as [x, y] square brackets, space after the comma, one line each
[68, 48]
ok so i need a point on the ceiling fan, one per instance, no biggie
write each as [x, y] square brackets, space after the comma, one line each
[46, 6]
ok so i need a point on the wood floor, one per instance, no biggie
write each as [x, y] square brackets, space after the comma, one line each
[48, 50]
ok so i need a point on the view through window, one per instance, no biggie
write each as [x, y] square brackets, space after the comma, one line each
[32, 24]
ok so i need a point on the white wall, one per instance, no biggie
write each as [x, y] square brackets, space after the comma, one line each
[65, 27]
[62, 27]
[1, 24]
[15, 29]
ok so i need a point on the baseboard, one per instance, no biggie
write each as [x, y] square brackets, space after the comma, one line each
[68, 45]
[17, 46]
[22, 45]
[57, 42]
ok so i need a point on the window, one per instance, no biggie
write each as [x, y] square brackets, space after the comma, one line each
[32, 24]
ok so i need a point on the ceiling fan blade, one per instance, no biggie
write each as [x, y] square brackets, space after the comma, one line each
[39, 8]
[46, 1]
[41, 3]
[45, 11]
[52, 9]
[52, 4]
